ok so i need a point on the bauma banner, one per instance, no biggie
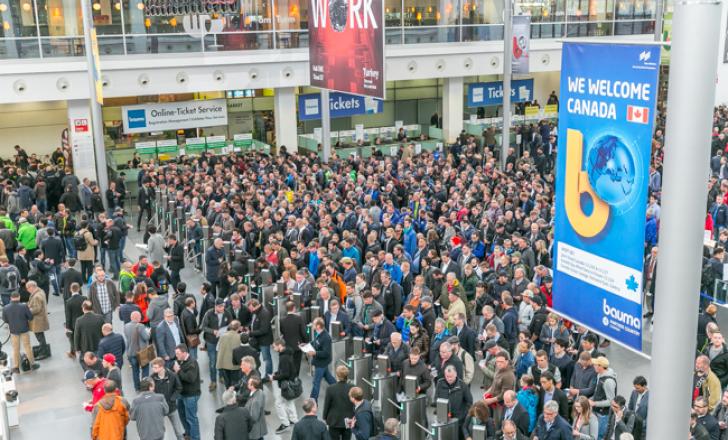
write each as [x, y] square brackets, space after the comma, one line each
[605, 132]
[346, 46]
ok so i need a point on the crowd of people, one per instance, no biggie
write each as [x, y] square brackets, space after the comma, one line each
[442, 262]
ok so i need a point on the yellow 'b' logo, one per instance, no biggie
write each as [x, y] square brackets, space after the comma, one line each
[577, 183]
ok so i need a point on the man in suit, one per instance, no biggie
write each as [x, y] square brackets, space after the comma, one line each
[648, 281]
[303, 286]
[448, 266]
[175, 258]
[167, 336]
[214, 319]
[510, 432]
[87, 330]
[293, 331]
[320, 357]
[639, 401]
[719, 212]
[237, 310]
[549, 392]
[465, 334]
[335, 314]
[74, 310]
[338, 406]
[261, 333]
[515, 412]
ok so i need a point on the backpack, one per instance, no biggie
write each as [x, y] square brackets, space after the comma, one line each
[10, 279]
[163, 285]
[79, 241]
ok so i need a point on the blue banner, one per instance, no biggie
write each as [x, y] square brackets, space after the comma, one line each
[491, 93]
[340, 105]
[605, 133]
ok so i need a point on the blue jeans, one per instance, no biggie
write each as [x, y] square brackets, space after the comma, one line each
[114, 263]
[212, 357]
[56, 278]
[187, 407]
[42, 205]
[265, 351]
[603, 421]
[135, 370]
[320, 373]
[70, 247]
[5, 299]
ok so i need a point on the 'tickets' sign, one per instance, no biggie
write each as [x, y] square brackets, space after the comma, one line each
[346, 47]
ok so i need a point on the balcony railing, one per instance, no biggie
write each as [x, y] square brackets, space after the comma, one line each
[155, 43]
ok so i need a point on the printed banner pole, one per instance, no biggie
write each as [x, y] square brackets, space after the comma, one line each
[507, 57]
[690, 100]
[605, 138]
[325, 125]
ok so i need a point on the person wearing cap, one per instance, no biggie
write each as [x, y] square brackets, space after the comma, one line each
[465, 358]
[605, 391]
[108, 361]
[94, 383]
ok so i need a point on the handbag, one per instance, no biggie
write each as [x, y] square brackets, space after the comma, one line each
[192, 340]
[146, 354]
[291, 389]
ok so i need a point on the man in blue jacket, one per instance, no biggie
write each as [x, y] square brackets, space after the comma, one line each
[214, 256]
[320, 357]
[362, 424]
[167, 337]
[551, 426]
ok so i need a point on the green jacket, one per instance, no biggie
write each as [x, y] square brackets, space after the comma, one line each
[26, 236]
[126, 281]
[8, 223]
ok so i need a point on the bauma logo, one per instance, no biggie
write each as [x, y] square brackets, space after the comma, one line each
[137, 118]
[620, 316]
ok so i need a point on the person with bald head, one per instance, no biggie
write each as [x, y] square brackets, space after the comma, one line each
[111, 343]
[214, 256]
[515, 412]
[137, 338]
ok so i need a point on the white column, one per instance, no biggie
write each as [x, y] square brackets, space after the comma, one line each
[81, 139]
[452, 108]
[284, 103]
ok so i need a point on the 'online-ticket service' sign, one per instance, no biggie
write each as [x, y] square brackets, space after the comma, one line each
[605, 134]
[346, 46]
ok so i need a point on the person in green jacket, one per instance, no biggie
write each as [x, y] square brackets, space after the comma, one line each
[26, 234]
[6, 220]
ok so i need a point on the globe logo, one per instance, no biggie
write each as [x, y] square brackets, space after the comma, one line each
[611, 170]
[338, 12]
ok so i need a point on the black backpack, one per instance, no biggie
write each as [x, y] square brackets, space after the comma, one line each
[10, 279]
[79, 241]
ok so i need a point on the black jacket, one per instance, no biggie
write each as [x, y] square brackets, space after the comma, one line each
[242, 315]
[169, 387]
[520, 417]
[337, 405]
[210, 323]
[458, 395]
[68, 277]
[52, 248]
[286, 368]
[467, 339]
[74, 310]
[246, 350]
[310, 428]
[233, 423]
[322, 344]
[188, 322]
[261, 333]
[176, 257]
[419, 370]
[293, 330]
[87, 333]
[560, 398]
[189, 376]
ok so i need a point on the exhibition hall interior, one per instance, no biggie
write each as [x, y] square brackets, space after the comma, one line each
[358, 219]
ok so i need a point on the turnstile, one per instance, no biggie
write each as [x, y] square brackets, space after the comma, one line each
[360, 368]
[384, 390]
[413, 412]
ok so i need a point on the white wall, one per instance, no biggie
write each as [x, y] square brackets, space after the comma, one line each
[35, 126]
[721, 83]
[543, 84]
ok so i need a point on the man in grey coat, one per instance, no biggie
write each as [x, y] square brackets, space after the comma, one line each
[256, 407]
[149, 410]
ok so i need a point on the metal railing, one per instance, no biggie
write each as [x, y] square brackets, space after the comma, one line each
[242, 40]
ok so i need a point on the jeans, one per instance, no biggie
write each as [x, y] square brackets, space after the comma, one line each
[320, 373]
[108, 317]
[265, 350]
[70, 247]
[114, 256]
[603, 421]
[42, 205]
[87, 268]
[187, 407]
[212, 357]
[5, 299]
[135, 370]
[55, 276]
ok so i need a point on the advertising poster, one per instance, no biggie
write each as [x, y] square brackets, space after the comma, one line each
[521, 52]
[346, 46]
[605, 132]
[340, 105]
[146, 118]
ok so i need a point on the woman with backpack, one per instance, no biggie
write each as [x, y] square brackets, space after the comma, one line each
[84, 242]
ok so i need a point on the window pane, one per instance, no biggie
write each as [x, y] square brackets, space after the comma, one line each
[431, 12]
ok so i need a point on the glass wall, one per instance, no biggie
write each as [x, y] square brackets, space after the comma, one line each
[53, 28]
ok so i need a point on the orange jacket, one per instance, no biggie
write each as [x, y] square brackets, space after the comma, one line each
[342, 286]
[111, 415]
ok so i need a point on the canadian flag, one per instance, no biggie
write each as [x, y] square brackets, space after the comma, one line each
[638, 114]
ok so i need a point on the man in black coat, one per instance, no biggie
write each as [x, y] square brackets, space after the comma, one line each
[465, 334]
[145, 197]
[458, 395]
[70, 276]
[246, 349]
[233, 421]
[310, 427]
[74, 310]
[338, 406]
[285, 408]
[214, 256]
[87, 331]
[293, 331]
[549, 386]
[18, 317]
[175, 257]
[167, 384]
[515, 412]
[320, 357]
[261, 333]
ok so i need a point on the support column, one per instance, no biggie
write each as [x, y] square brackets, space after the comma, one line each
[284, 105]
[690, 97]
[452, 109]
[81, 139]
[325, 125]
[507, 69]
